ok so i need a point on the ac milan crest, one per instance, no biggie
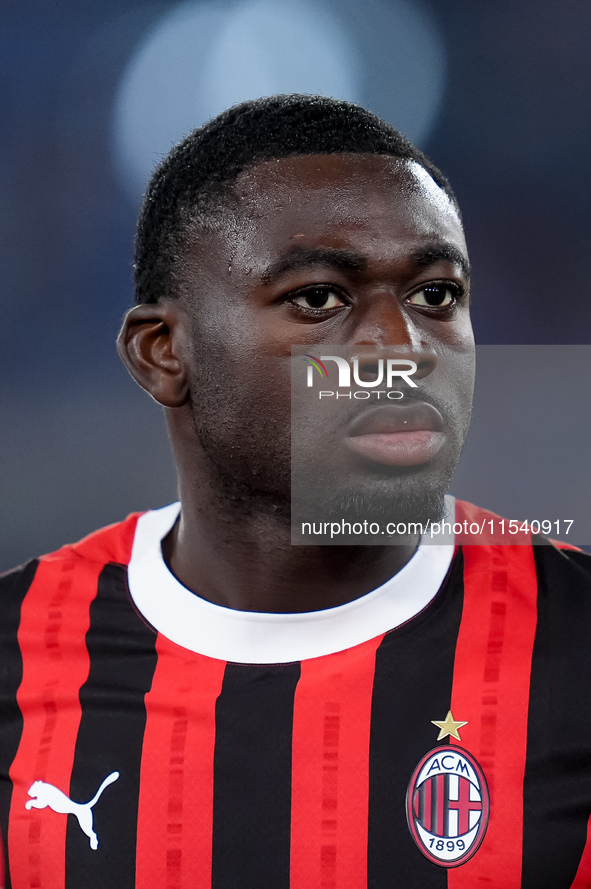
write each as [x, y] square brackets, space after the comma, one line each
[447, 805]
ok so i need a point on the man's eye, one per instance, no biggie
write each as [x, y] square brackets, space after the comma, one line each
[318, 298]
[436, 296]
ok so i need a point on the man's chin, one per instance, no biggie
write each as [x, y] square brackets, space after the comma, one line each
[426, 507]
[396, 513]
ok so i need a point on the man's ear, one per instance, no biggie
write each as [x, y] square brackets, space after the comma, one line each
[153, 346]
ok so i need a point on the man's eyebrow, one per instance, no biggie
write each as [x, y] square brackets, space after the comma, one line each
[432, 253]
[306, 257]
[338, 258]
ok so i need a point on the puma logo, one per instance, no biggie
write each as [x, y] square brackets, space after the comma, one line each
[47, 795]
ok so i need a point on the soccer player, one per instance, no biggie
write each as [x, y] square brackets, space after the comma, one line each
[189, 700]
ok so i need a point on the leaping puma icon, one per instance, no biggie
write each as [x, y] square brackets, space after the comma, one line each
[47, 795]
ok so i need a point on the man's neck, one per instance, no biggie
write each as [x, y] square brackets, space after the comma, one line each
[247, 562]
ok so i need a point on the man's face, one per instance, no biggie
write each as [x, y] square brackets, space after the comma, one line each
[321, 251]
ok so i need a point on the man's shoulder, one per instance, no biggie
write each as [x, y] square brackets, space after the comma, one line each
[554, 556]
[109, 545]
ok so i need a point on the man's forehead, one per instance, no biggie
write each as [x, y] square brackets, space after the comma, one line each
[347, 173]
[378, 205]
[332, 199]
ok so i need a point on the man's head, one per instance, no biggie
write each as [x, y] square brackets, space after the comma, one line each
[194, 182]
[297, 220]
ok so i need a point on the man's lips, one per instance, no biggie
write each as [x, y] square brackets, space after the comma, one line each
[398, 435]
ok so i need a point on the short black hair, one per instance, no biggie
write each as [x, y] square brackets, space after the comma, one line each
[191, 182]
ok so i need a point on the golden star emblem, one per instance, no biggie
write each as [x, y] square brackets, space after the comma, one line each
[449, 726]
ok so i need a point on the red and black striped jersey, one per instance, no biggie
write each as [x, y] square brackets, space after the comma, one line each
[435, 733]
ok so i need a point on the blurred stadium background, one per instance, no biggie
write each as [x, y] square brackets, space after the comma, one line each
[94, 94]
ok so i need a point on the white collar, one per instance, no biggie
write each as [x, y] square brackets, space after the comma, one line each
[259, 638]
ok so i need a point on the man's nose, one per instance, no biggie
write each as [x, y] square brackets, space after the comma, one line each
[386, 323]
